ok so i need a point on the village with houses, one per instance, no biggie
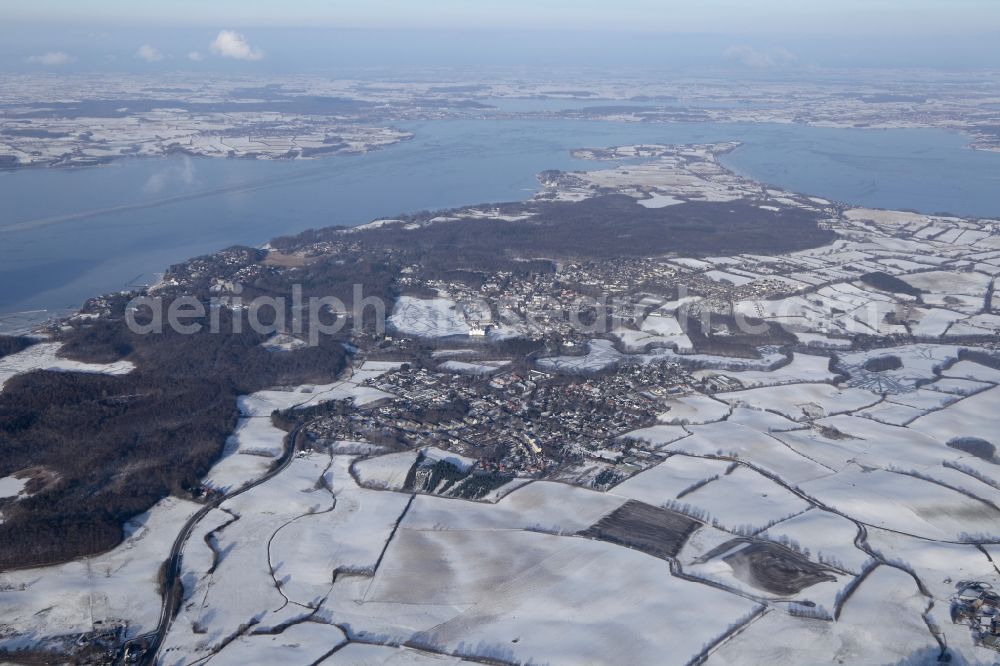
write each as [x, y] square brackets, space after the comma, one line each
[796, 445]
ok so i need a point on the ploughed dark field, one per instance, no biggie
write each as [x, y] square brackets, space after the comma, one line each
[102, 449]
[653, 530]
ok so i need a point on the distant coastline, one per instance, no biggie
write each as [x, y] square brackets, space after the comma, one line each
[104, 230]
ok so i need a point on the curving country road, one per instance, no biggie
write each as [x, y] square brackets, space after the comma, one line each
[173, 589]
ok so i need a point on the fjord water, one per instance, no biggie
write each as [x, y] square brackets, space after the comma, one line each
[66, 234]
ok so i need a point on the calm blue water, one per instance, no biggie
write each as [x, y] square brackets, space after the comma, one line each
[69, 234]
[552, 104]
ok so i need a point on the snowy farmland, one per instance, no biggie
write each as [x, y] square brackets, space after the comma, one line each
[814, 498]
[427, 318]
[50, 606]
[767, 475]
[257, 442]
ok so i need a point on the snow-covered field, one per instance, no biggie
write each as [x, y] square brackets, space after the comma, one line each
[657, 200]
[11, 486]
[803, 368]
[302, 643]
[427, 318]
[742, 502]
[694, 410]
[482, 368]
[388, 471]
[241, 587]
[975, 416]
[600, 354]
[906, 504]
[44, 356]
[845, 457]
[540, 506]
[256, 442]
[502, 595]
[872, 463]
[306, 553]
[881, 624]
[55, 604]
[802, 401]
[356, 654]
[669, 479]
[637, 341]
[825, 535]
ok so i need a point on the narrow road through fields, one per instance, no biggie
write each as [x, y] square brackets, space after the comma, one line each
[173, 588]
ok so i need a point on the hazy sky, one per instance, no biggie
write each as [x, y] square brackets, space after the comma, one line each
[316, 34]
[774, 16]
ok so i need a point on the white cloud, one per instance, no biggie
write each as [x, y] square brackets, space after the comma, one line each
[231, 44]
[195, 56]
[149, 53]
[51, 59]
[180, 175]
[751, 57]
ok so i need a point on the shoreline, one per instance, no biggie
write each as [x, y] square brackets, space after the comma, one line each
[263, 183]
[27, 323]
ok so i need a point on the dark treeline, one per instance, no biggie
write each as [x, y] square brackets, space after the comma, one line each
[975, 446]
[736, 342]
[600, 228]
[608, 227]
[13, 344]
[890, 283]
[980, 357]
[883, 363]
